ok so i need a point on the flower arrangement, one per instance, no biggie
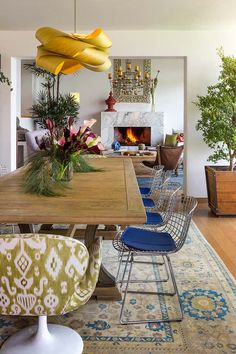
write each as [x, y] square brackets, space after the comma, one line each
[153, 86]
[62, 151]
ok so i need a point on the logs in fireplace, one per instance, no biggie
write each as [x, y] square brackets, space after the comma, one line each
[130, 136]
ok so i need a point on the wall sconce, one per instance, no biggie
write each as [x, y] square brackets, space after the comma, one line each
[76, 96]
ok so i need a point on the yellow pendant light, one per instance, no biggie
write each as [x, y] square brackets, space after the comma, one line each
[65, 53]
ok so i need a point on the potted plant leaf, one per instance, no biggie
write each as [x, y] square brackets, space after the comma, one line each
[4, 79]
[218, 127]
[50, 103]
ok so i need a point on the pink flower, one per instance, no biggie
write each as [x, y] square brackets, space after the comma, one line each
[62, 141]
[87, 124]
[101, 146]
[50, 124]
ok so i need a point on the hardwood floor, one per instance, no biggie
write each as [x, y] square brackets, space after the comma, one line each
[220, 232]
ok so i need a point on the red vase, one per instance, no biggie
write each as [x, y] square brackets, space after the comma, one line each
[110, 101]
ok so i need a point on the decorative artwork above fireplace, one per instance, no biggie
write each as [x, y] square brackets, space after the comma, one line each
[130, 136]
[143, 93]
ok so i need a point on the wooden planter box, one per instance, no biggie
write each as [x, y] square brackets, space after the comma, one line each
[221, 190]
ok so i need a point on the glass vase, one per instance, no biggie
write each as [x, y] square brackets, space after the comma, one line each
[68, 173]
[153, 103]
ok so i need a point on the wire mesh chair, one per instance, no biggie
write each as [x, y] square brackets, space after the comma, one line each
[150, 200]
[159, 177]
[166, 199]
[157, 241]
[155, 173]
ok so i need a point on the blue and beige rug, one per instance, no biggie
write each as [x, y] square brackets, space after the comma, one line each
[208, 294]
[146, 181]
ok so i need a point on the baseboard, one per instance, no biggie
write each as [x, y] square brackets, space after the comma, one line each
[202, 200]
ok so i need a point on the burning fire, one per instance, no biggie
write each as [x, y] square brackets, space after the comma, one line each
[130, 136]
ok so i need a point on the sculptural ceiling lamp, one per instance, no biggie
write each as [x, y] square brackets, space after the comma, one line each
[65, 53]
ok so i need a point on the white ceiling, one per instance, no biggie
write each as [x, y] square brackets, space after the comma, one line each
[119, 14]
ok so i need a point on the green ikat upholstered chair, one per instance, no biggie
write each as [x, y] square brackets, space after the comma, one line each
[45, 275]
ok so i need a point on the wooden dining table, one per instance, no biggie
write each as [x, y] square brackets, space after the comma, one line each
[108, 197]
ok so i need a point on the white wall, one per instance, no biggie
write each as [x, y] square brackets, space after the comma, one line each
[202, 70]
[94, 89]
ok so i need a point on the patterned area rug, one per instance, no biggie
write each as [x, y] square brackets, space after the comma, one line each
[208, 295]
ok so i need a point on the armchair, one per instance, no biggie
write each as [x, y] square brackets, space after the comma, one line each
[45, 275]
[168, 156]
[31, 140]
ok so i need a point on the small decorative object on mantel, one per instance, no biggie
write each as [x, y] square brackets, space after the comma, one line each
[62, 151]
[141, 146]
[110, 101]
[115, 145]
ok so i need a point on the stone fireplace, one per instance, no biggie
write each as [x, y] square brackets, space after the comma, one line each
[132, 128]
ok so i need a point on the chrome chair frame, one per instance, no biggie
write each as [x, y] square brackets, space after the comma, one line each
[166, 197]
[159, 177]
[177, 226]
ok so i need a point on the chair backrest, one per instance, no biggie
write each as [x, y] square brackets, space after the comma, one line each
[169, 156]
[31, 140]
[179, 222]
[160, 179]
[165, 199]
[157, 173]
[46, 274]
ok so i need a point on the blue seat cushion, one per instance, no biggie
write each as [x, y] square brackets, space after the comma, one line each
[148, 202]
[146, 240]
[144, 190]
[153, 218]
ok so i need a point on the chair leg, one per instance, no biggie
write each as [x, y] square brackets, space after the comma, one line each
[158, 263]
[126, 289]
[158, 293]
[125, 268]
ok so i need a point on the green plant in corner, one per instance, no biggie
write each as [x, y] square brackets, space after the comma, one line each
[218, 113]
[50, 102]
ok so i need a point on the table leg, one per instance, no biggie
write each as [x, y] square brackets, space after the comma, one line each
[106, 286]
[26, 228]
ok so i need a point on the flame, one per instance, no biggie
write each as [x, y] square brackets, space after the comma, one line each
[131, 136]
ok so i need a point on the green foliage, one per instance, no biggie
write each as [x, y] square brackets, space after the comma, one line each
[4, 79]
[58, 109]
[44, 173]
[38, 176]
[218, 113]
[81, 165]
[50, 103]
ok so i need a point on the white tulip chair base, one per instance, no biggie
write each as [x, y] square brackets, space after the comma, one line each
[44, 339]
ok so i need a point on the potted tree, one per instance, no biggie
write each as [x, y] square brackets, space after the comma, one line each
[218, 127]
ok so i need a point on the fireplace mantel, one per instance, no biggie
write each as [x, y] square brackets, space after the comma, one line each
[109, 120]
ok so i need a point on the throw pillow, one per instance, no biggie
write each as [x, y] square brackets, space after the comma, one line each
[171, 140]
[180, 137]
